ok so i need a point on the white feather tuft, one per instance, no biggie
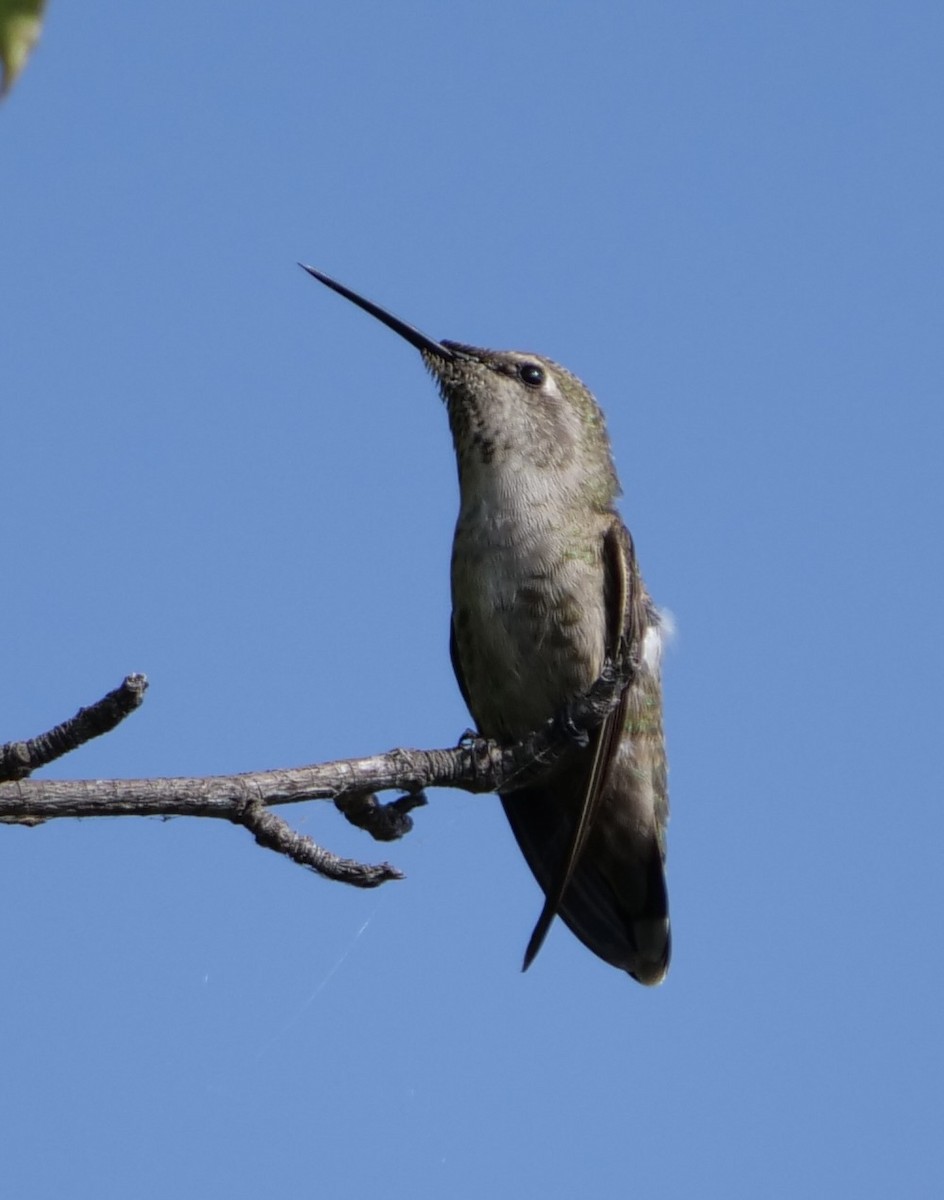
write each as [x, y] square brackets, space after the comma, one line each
[656, 639]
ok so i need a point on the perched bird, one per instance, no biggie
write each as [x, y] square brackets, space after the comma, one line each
[545, 584]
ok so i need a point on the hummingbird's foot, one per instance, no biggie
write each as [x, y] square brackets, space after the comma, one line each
[580, 716]
[565, 726]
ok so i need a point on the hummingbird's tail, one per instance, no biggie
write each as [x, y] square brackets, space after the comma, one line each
[616, 901]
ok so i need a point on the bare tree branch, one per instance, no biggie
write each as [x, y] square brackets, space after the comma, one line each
[475, 765]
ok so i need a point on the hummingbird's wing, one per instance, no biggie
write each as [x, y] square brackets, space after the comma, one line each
[620, 578]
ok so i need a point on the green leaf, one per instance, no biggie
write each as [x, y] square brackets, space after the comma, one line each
[20, 23]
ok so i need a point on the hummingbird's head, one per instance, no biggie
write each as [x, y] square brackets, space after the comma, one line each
[518, 409]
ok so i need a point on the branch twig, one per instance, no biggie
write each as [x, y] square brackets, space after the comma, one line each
[18, 759]
[271, 831]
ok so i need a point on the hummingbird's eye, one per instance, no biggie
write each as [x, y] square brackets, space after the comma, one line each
[531, 374]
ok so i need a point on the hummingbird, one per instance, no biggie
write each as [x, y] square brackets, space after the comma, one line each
[545, 589]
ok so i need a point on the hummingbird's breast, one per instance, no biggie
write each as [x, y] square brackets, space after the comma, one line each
[529, 618]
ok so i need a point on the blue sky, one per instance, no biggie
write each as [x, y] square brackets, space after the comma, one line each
[726, 218]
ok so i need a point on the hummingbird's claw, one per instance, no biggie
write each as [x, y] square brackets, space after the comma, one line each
[567, 727]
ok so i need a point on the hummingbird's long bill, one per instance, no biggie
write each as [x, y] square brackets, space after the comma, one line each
[412, 335]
